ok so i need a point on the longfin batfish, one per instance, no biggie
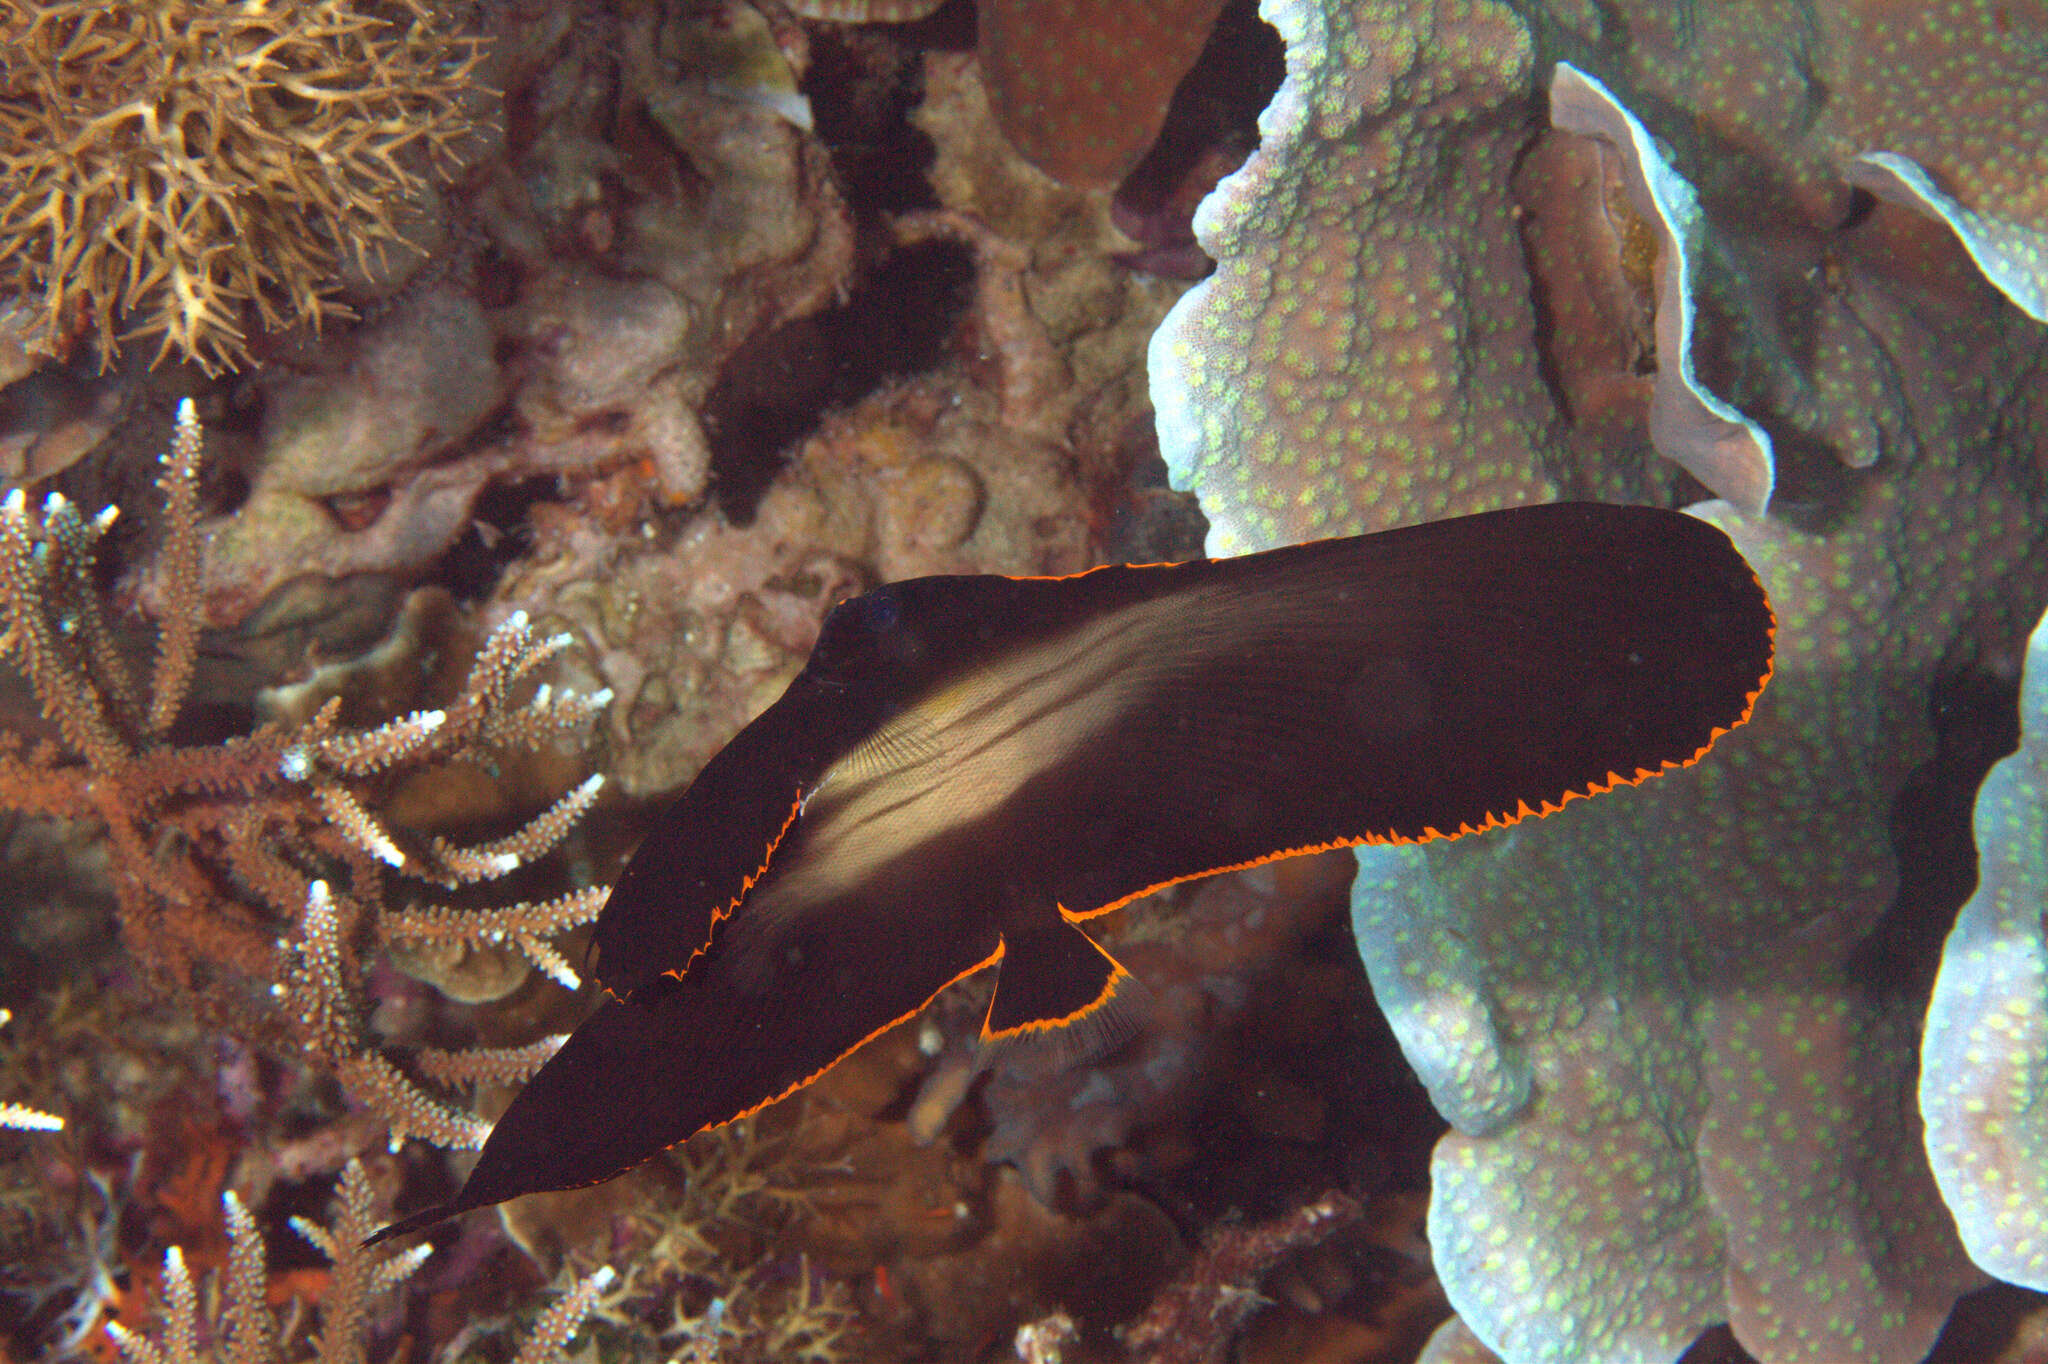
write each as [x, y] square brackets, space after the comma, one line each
[970, 768]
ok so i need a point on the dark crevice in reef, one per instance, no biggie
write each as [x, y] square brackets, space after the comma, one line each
[1140, 519]
[1211, 125]
[1217, 104]
[1986, 1324]
[1975, 717]
[864, 83]
[775, 388]
[1377, 1128]
[498, 536]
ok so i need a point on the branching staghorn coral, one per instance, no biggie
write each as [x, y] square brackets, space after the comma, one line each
[706, 1268]
[178, 165]
[253, 872]
[19, 1115]
[239, 1326]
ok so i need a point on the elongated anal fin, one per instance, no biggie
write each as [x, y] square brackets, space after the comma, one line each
[419, 1221]
[756, 1019]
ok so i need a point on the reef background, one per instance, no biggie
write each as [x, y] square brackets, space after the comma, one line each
[721, 311]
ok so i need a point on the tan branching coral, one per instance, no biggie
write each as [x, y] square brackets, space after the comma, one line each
[238, 1325]
[713, 1267]
[174, 166]
[254, 872]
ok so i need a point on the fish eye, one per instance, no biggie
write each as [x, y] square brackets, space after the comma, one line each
[871, 613]
[853, 624]
[882, 611]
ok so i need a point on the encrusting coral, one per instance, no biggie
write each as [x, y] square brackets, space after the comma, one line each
[1674, 1036]
[251, 873]
[1932, 110]
[174, 170]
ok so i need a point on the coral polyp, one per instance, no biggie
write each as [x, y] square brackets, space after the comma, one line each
[174, 169]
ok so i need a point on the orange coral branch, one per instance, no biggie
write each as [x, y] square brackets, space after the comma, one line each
[259, 859]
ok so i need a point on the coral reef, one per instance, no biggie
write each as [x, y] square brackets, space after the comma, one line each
[994, 460]
[645, 218]
[1675, 1037]
[186, 171]
[653, 390]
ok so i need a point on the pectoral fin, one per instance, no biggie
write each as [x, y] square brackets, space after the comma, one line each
[1054, 976]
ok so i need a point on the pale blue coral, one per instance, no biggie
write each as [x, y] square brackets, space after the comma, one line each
[1674, 1100]
[1984, 1057]
[2013, 256]
[1689, 423]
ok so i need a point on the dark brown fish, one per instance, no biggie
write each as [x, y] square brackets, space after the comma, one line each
[970, 768]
